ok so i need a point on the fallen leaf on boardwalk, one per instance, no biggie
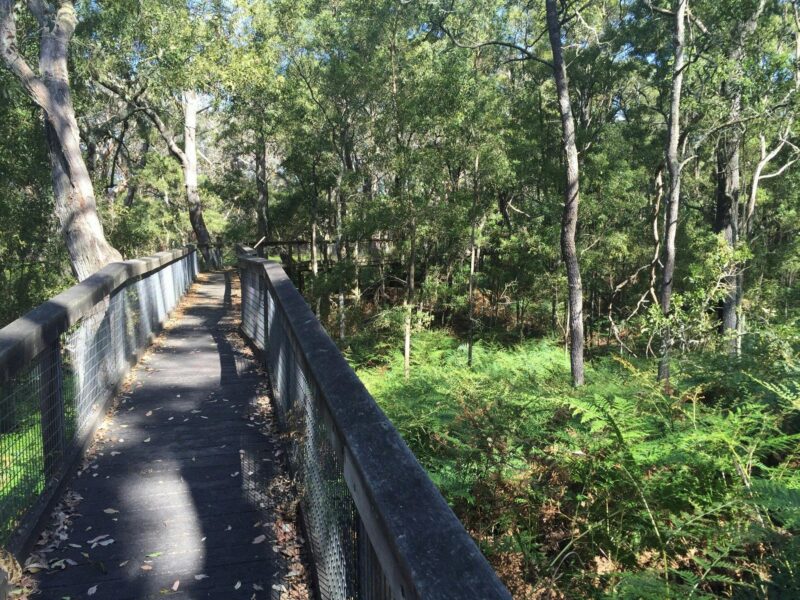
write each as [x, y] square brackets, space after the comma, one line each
[228, 528]
[123, 563]
[115, 453]
[106, 542]
[257, 587]
[149, 413]
[147, 440]
[154, 554]
[75, 545]
[91, 591]
[238, 585]
[176, 585]
[201, 576]
[147, 567]
[111, 511]
[235, 474]
[97, 539]
[259, 539]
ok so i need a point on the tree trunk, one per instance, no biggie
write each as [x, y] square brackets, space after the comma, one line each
[75, 204]
[408, 304]
[340, 249]
[726, 219]
[674, 168]
[262, 185]
[472, 257]
[189, 164]
[569, 222]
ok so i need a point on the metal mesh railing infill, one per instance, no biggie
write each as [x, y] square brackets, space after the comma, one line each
[377, 526]
[59, 366]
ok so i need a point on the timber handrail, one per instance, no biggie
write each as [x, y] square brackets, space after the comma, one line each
[23, 339]
[379, 528]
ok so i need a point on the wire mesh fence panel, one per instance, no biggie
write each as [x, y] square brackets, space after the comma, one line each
[377, 527]
[22, 476]
[49, 407]
[330, 517]
[329, 513]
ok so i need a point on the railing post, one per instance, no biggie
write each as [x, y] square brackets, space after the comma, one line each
[51, 406]
[265, 308]
[4, 587]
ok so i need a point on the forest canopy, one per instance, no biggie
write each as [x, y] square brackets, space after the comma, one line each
[557, 239]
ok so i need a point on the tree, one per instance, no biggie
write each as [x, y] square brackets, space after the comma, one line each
[75, 204]
[674, 168]
[569, 223]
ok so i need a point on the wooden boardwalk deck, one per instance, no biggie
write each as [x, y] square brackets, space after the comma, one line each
[176, 499]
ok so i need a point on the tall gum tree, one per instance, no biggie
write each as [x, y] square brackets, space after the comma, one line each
[674, 167]
[729, 187]
[569, 221]
[75, 205]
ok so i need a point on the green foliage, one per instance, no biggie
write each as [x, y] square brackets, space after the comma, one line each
[612, 490]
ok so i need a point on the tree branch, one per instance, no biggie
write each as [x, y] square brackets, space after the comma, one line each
[15, 62]
[526, 54]
[141, 105]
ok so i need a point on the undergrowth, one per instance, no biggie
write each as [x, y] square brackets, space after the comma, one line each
[615, 490]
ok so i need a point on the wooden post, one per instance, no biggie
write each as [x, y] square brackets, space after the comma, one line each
[51, 406]
[8, 418]
[4, 587]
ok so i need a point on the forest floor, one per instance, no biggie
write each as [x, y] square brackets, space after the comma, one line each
[616, 489]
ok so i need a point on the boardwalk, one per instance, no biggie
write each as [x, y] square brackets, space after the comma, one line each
[176, 498]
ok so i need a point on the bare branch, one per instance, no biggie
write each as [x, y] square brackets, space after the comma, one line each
[526, 54]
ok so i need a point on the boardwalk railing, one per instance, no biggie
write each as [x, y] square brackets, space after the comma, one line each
[378, 527]
[59, 366]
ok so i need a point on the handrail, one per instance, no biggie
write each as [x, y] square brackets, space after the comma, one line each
[23, 339]
[60, 364]
[360, 481]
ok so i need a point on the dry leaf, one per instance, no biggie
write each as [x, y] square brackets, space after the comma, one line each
[111, 511]
[97, 539]
[259, 539]
[201, 576]
[91, 591]
[176, 585]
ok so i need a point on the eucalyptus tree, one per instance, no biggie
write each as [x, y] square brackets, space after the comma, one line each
[75, 204]
[164, 59]
[515, 33]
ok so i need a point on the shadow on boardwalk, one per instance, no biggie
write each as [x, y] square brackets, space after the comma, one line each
[177, 498]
